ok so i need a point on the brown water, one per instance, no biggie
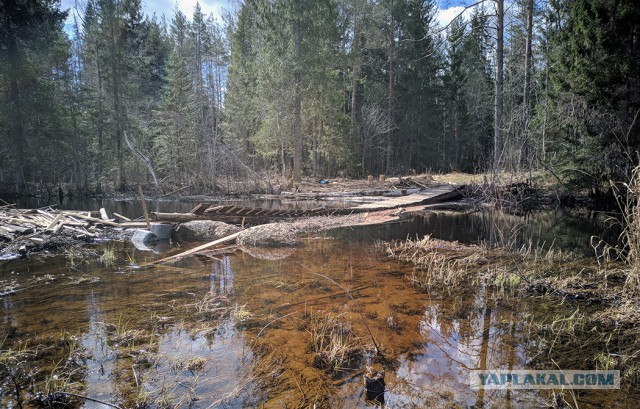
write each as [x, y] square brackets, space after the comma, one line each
[234, 330]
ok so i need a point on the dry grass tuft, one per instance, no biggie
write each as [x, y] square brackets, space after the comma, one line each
[438, 262]
[211, 306]
[628, 197]
[334, 343]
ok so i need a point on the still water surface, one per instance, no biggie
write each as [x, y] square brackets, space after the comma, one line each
[236, 329]
[132, 208]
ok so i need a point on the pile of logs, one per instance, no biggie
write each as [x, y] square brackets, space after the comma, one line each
[35, 224]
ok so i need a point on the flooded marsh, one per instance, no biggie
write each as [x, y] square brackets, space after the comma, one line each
[288, 328]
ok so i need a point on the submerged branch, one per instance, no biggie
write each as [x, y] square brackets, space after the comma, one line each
[75, 395]
[364, 321]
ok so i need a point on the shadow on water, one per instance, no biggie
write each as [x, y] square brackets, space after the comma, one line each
[277, 329]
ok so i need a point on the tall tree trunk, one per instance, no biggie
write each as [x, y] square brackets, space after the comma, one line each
[526, 100]
[390, 89]
[15, 129]
[355, 74]
[527, 59]
[100, 119]
[119, 134]
[497, 137]
[203, 124]
[117, 109]
[297, 124]
[314, 146]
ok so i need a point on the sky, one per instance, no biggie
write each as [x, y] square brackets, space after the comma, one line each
[447, 9]
[166, 7]
[445, 15]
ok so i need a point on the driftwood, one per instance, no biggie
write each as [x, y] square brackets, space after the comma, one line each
[193, 250]
[133, 225]
[451, 206]
[144, 207]
[176, 217]
[103, 214]
[96, 220]
[118, 215]
[27, 224]
[39, 225]
[239, 219]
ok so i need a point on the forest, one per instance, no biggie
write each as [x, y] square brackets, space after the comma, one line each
[316, 88]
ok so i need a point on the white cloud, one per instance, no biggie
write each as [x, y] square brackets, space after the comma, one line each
[444, 16]
[160, 7]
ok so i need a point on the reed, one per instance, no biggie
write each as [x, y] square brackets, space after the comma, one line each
[334, 343]
[438, 262]
[629, 203]
[108, 257]
[13, 368]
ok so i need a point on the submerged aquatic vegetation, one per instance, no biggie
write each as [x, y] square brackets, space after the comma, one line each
[241, 313]
[210, 306]
[14, 368]
[75, 257]
[122, 333]
[505, 280]
[335, 345]
[48, 374]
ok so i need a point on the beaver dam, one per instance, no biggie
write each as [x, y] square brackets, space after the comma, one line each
[300, 325]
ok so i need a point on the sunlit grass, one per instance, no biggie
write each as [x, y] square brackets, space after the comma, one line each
[108, 257]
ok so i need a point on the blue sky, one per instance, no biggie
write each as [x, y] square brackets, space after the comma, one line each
[448, 9]
[167, 7]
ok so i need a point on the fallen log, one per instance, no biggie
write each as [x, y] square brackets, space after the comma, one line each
[193, 250]
[176, 217]
[450, 206]
[122, 217]
[12, 228]
[55, 221]
[94, 219]
[79, 231]
[454, 194]
[188, 217]
[134, 225]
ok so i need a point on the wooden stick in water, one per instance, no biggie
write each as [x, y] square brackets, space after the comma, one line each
[144, 207]
[193, 250]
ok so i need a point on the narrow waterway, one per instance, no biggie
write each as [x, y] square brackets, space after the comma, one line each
[280, 327]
